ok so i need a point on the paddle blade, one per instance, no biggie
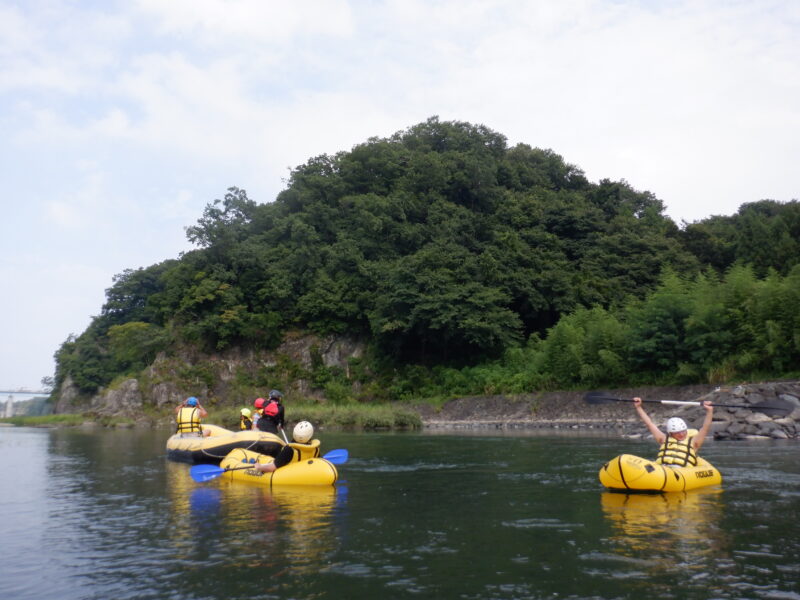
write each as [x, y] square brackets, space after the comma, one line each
[202, 473]
[337, 457]
[774, 408]
[601, 398]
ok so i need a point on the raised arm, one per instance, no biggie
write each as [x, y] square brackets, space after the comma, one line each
[659, 435]
[701, 435]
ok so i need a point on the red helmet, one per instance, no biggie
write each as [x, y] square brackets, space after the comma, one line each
[259, 403]
[271, 409]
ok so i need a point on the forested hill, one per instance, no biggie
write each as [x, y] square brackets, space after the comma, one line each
[440, 245]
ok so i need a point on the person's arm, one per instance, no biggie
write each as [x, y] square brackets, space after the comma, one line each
[202, 411]
[659, 435]
[701, 435]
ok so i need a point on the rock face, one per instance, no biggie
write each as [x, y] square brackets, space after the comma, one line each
[568, 410]
[169, 380]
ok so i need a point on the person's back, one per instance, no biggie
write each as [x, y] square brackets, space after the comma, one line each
[188, 416]
[270, 420]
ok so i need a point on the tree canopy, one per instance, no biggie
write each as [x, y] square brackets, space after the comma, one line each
[441, 245]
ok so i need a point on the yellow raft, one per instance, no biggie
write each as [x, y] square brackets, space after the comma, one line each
[629, 473]
[307, 468]
[213, 448]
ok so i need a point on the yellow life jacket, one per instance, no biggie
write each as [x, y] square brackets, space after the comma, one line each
[306, 451]
[245, 423]
[188, 420]
[678, 453]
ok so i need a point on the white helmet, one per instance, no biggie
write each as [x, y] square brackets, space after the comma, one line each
[676, 425]
[303, 432]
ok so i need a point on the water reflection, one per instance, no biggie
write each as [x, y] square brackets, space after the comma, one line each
[681, 528]
[297, 524]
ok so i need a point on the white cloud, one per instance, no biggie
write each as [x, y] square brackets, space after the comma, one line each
[266, 22]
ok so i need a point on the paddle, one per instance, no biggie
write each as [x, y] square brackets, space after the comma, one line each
[283, 433]
[768, 407]
[337, 457]
[203, 473]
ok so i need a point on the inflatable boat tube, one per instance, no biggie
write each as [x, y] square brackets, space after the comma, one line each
[194, 449]
[301, 471]
[629, 473]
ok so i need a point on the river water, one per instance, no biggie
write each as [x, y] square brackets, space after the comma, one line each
[98, 514]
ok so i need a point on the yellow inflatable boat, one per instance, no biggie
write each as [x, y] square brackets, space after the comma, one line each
[307, 468]
[194, 449]
[629, 473]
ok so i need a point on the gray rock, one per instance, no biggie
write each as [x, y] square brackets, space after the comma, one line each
[757, 417]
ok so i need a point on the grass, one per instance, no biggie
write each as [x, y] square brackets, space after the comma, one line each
[350, 415]
[47, 420]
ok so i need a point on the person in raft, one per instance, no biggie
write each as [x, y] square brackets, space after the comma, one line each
[284, 457]
[258, 410]
[679, 445]
[272, 418]
[245, 422]
[302, 434]
[187, 418]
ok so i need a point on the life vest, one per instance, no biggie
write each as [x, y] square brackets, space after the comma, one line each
[678, 453]
[306, 451]
[188, 420]
[245, 423]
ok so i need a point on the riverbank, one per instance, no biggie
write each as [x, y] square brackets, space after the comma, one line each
[569, 410]
[564, 411]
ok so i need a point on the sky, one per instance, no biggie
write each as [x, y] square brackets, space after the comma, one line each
[121, 120]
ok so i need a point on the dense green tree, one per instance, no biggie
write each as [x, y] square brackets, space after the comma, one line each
[135, 344]
[658, 327]
[443, 246]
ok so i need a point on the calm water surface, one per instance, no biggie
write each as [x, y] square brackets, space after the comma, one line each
[98, 514]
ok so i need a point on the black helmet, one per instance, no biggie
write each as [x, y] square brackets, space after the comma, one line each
[275, 394]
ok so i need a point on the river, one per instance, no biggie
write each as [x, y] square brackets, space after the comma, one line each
[99, 513]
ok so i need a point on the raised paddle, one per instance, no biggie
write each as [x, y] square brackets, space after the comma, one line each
[203, 473]
[768, 407]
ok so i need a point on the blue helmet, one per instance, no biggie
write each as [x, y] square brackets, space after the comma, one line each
[191, 401]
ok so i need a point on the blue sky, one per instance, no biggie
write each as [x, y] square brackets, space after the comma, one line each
[120, 120]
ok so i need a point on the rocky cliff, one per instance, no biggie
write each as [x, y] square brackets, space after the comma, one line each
[227, 378]
[236, 377]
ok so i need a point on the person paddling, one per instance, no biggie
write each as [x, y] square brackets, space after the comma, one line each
[679, 445]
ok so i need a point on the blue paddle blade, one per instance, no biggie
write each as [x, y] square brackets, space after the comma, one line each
[201, 473]
[337, 457]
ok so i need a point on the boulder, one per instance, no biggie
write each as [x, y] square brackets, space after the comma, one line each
[757, 417]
